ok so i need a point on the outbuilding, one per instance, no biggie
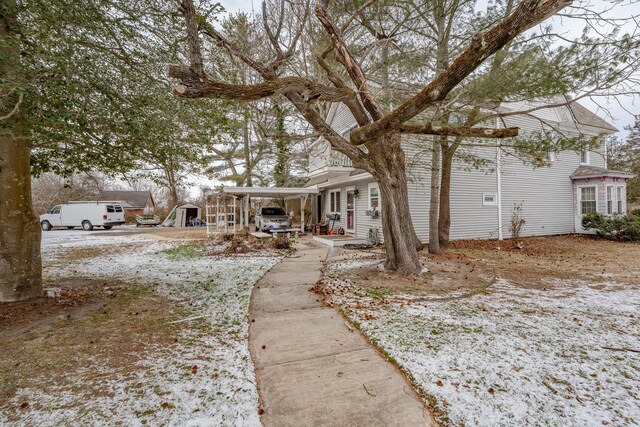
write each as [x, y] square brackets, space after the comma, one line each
[183, 216]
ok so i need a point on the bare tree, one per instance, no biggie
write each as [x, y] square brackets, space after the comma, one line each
[375, 145]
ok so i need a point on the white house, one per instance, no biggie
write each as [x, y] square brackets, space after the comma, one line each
[553, 198]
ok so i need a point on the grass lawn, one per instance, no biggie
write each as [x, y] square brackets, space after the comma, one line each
[136, 331]
[494, 336]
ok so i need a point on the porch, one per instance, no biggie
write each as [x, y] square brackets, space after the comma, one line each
[229, 209]
[337, 240]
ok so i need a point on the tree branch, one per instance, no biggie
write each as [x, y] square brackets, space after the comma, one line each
[195, 55]
[526, 15]
[470, 132]
[322, 127]
[192, 86]
[353, 68]
[15, 108]
[352, 103]
[355, 15]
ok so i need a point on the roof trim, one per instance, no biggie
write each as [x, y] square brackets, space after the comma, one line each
[272, 192]
[586, 172]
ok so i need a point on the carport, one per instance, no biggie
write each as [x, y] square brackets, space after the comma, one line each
[241, 201]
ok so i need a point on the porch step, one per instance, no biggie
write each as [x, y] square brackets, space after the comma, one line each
[338, 240]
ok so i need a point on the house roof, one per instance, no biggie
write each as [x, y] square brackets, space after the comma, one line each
[131, 199]
[585, 171]
[586, 117]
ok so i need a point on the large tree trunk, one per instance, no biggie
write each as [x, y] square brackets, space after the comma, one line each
[434, 238]
[20, 263]
[387, 165]
[444, 222]
[281, 168]
[172, 187]
[247, 179]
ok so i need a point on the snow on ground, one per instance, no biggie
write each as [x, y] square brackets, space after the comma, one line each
[222, 393]
[513, 356]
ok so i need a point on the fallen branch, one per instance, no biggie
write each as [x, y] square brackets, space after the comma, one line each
[621, 349]
[187, 319]
[367, 390]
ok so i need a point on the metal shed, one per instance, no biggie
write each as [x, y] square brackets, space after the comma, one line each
[181, 215]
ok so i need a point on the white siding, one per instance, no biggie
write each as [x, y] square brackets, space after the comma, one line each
[546, 193]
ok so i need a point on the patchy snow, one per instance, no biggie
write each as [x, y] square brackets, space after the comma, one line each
[514, 356]
[221, 392]
[353, 264]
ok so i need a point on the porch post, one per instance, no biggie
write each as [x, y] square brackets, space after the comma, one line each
[234, 213]
[303, 202]
[247, 210]
[241, 212]
[217, 212]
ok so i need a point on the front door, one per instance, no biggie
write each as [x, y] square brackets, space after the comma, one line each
[351, 211]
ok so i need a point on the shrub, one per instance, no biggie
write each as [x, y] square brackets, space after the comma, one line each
[517, 222]
[616, 227]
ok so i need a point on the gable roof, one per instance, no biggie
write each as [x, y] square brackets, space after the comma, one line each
[131, 199]
[585, 171]
[586, 117]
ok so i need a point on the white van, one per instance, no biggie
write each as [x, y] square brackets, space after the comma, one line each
[83, 214]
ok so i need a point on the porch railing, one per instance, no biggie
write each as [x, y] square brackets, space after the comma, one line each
[337, 159]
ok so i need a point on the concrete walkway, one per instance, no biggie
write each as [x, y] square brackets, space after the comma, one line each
[314, 371]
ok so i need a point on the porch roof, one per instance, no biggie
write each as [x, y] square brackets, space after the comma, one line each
[271, 192]
[585, 171]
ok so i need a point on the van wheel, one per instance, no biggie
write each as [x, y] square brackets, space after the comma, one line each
[46, 225]
[86, 225]
[107, 227]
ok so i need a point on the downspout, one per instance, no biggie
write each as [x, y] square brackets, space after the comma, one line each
[499, 186]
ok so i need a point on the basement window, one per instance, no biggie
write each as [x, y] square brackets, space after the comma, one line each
[489, 199]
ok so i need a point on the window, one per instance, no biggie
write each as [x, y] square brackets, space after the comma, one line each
[374, 196]
[620, 198]
[118, 208]
[110, 209]
[273, 210]
[489, 200]
[584, 158]
[587, 200]
[55, 210]
[334, 201]
[610, 190]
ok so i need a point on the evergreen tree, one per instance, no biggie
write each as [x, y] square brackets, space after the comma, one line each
[625, 156]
